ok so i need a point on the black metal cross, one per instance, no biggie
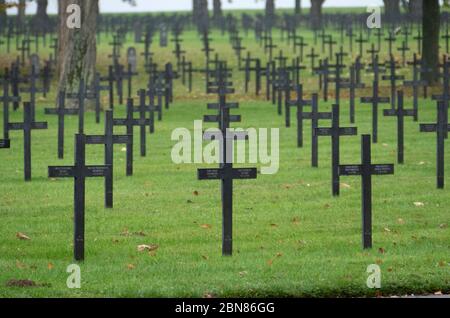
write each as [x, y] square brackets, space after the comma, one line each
[80, 97]
[393, 78]
[61, 111]
[300, 42]
[312, 56]
[404, 48]
[441, 128]
[129, 122]
[27, 126]
[361, 40]
[299, 103]
[366, 170]
[375, 100]
[419, 39]
[6, 99]
[80, 171]
[416, 83]
[335, 132]
[143, 121]
[400, 113]
[226, 173]
[33, 90]
[390, 39]
[315, 116]
[352, 85]
[109, 139]
[373, 52]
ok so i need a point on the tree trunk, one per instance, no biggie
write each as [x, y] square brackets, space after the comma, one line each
[41, 21]
[3, 15]
[77, 47]
[415, 9]
[270, 9]
[217, 9]
[298, 6]
[270, 13]
[316, 14]
[431, 22]
[195, 10]
[21, 14]
[392, 10]
[203, 15]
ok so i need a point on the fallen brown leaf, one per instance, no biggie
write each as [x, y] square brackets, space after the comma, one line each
[345, 186]
[206, 226]
[22, 236]
[21, 283]
[150, 248]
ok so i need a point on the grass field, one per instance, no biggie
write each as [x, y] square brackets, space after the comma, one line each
[291, 237]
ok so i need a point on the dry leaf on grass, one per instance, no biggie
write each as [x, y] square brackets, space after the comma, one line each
[150, 248]
[22, 236]
[206, 226]
[345, 186]
[20, 283]
[20, 265]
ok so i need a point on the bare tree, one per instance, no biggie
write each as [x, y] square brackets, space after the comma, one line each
[41, 22]
[430, 42]
[392, 10]
[298, 6]
[270, 9]
[316, 13]
[77, 47]
[3, 14]
[21, 13]
[217, 9]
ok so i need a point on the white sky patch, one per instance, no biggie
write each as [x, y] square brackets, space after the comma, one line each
[117, 6]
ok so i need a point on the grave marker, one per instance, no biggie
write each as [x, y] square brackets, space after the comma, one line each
[335, 132]
[80, 171]
[366, 170]
[27, 126]
[400, 113]
[441, 128]
[61, 111]
[109, 139]
[375, 100]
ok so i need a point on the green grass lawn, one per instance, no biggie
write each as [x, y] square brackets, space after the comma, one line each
[291, 237]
